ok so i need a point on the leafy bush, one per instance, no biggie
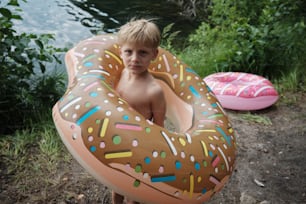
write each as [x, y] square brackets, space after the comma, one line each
[26, 88]
[261, 37]
[168, 36]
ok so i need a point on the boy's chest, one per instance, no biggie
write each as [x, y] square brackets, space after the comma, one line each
[134, 95]
[137, 98]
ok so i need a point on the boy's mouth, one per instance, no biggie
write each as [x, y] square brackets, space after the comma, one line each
[135, 66]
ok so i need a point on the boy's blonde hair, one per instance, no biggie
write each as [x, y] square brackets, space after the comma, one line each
[141, 31]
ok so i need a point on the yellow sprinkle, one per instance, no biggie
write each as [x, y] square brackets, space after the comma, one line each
[104, 127]
[118, 155]
[199, 179]
[210, 137]
[189, 78]
[230, 130]
[114, 56]
[182, 141]
[90, 130]
[107, 86]
[191, 185]
[181, 73]
[205, 148]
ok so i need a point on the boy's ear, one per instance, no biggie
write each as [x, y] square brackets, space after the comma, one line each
[156, 53]
[120, 52]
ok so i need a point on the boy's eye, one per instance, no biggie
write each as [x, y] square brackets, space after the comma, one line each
[143, 53]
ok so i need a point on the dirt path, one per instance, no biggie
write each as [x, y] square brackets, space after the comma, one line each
[271, 165]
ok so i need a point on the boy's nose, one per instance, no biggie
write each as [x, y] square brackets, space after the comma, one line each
[134, 57]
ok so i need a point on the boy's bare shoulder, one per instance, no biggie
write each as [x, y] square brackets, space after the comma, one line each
[156, 90]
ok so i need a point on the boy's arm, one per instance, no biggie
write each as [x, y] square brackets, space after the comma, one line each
[159, 107]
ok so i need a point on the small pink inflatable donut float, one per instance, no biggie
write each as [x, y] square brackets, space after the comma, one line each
[242, 91]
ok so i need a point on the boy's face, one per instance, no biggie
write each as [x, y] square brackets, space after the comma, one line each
[137, 57]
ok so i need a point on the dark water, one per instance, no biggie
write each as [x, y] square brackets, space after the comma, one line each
[73, 20]
[114, 13]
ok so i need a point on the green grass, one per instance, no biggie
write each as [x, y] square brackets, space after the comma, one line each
[28, 149]
[293, 82]
[14, 148]
[32, 158]
[256, 118]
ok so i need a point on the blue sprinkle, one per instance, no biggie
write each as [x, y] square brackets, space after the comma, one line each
[125, 117]
[93, 94]
[227, 138]
[211, 154]
[208, 88]
[204, 191]
[197, 166]
[163, 178]
[88, 64]
[147, 160]
[188, 69]
[214, 105]
[87, 115]
[93, 148]
[92, 76]
[194, 92]
[178, 165]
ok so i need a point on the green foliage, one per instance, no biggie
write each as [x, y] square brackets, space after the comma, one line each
[168, 37]
[261, 37]
[26, 87]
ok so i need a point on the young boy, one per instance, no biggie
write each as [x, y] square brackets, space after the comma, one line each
[139, 41]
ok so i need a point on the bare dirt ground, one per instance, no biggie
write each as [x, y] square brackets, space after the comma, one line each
[271, 165]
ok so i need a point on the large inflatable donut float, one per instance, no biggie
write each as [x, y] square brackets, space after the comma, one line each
[242, 91]
[130, 154]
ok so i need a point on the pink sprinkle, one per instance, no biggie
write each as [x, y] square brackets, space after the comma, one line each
[216, 161]
[161, 169]
[135, 143]
[90, 138]
[91, 85]
[214, 180]
[128, 127]
[102, 144]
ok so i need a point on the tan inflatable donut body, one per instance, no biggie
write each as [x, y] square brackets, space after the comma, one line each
[131, 155]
